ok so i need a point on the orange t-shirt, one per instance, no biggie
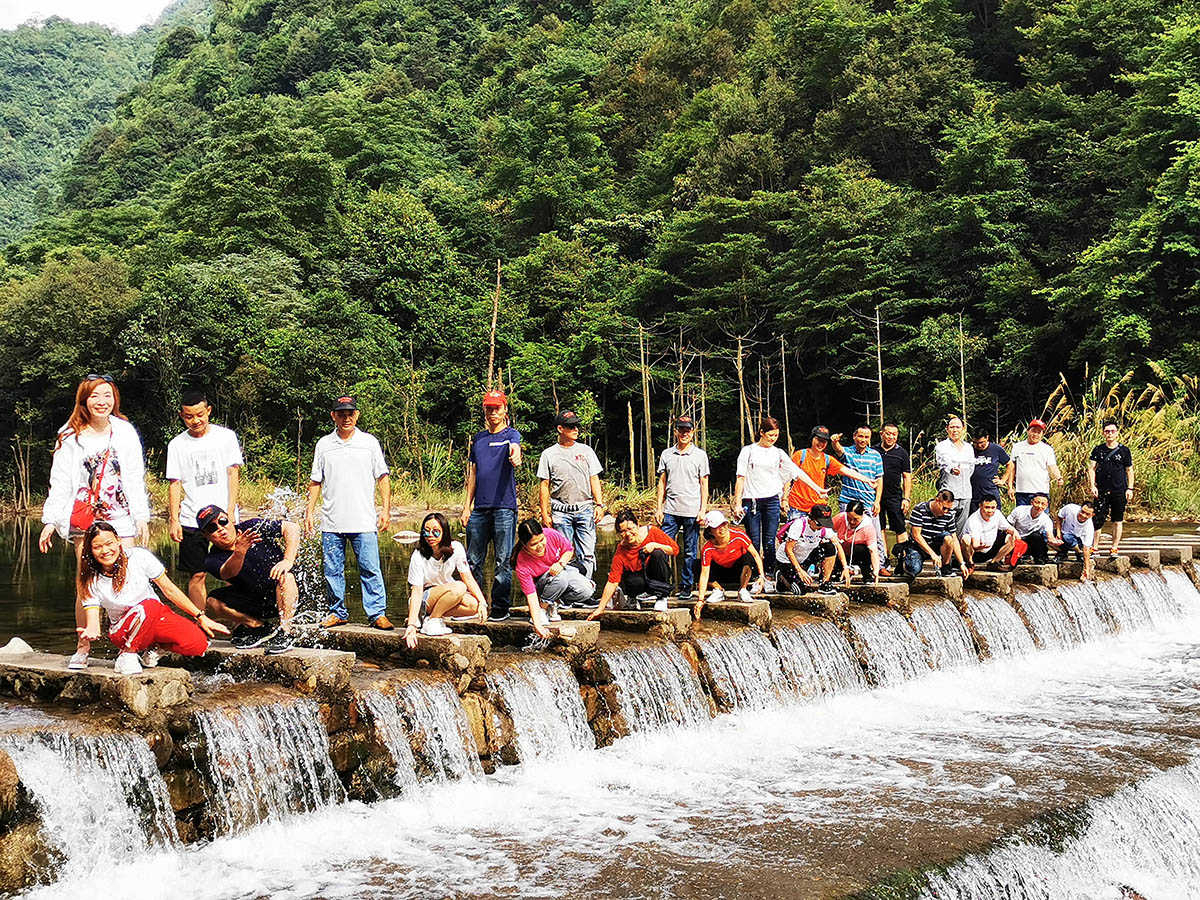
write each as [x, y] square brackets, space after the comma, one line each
[816, 465]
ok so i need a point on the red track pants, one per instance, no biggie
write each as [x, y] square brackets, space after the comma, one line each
[151, 624]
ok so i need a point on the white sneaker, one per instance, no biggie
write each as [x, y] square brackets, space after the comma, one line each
[757, 588]
[745, 596]
[128, 664]
[855, 572]
[769, 585]
[150, 659]
[716, 595]
[432, 627]
[552, 614]
[661, 605]
[78, 660]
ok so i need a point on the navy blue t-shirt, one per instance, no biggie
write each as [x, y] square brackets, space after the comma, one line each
[254, 579]
[495, 478]
[987, 467]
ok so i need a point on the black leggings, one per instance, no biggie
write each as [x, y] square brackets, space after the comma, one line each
[730, 577]
[653, 578]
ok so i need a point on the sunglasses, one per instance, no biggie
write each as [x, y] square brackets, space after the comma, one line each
[94, 377]
[428, 532]
[213, 526]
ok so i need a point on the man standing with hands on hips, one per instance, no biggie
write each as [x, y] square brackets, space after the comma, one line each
[490, 509]
[347, 468]
[569, 491]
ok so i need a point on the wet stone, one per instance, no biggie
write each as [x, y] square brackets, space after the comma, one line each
[1044, 575]
[321, 672]
[673, 625]
[456, 653]
[993, 582]
[1144, 559]
[885, 593]
[1174, 555]
[756, 613]
[45, 677]
[830, 606]
[570, 637]
[951, 587]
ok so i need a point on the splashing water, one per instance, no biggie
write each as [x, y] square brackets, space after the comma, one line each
[893, 651]
[1081, 599]
[945, 635]
[656, 688]
[1049, 620]
[999, 625]
[745, 668]
[1126, 606]
[817, 660]
[542, 698]
[429, 717]
[282, 503]
[1157, 597]
[1182, 590]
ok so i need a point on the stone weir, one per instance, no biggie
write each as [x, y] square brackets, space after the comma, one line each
[219, 743]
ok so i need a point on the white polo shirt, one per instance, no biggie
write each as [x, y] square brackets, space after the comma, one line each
[1032, 464]
[347, 472]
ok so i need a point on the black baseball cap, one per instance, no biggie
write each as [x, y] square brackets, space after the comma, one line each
[208, 515]
[821, 515]
[820, 432]
[343, 404]
[568, 418]
[685, 423]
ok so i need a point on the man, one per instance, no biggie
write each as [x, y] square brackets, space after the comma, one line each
[1032, 465]
[955, 460]
[866, 461]
[347, 469]
[897, 490]
[816, 464]
[490, 509]
[641, 565]
[1077, 532]
[256, 559]
[683, 497]
[988, 536]
[932, 531]
[202, 469]
[811, 541]
[1110, 476]
[985, 478]
[1034, 530]
[569, 491]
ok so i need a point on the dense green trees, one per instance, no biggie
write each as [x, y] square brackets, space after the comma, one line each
[310, 196]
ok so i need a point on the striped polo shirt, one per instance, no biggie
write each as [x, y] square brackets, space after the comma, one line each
[868, 463]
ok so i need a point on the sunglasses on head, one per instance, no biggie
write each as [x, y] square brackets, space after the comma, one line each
[213, 526]
[94, 377]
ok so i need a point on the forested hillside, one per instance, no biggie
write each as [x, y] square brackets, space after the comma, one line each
[311, 197]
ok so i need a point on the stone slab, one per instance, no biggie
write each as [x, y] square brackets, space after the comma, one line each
[885, 593]
[936, 586]
[830, 606]
[1144, 559]
[311, 671]
[569, 635]
[673, 624]
[1043, 575]
[1174, 555]
[459, 654]
[756, 613]
[45, 677]
[993, 582]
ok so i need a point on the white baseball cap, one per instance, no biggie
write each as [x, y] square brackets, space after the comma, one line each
[714, 518]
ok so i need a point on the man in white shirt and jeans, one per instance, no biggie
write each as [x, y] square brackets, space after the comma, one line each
[1078, 533]
[347, 468]
[1032, 463]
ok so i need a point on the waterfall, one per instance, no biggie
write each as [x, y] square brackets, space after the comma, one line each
[429, 717]
[542, 698]
[100, 797]
[746, 670]
[656, 688]
[893, 651]
[945, 635]
[1000, 625]
[1163, 604]
[1126, 606]
[817, 660]
[266, 762]
[1186, 596]
[1049, 620]
[1081, 599]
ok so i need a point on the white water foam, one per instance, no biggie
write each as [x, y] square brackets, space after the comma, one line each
[1081, 600]
[745, 668]
[1048, 619]
[893, 650]
[542, 698]
[1000, 625]
[656, 688]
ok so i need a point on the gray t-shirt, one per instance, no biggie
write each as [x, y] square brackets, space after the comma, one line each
[684, 471]
[569, 471]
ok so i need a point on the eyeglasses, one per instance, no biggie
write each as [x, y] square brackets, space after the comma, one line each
[94, 377]
[213, 526]
[429, 532]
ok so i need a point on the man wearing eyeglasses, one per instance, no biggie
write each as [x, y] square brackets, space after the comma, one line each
[1110, 475]
[571, 498]
[255, 558]
[348, 467]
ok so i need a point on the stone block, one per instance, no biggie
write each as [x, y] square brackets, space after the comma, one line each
[756, 612]
[1174, 555]
[992, 582]
[1144, 559]
[951, 587]
[324, 673]
[186, 788]
[672, 625]
[45, 677]
[570, 637]
[1043, 575]
[830, 606]
[885, 593]
[456, 653]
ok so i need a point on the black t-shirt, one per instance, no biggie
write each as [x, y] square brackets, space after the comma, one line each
[987, 467]
[255, 577]
[895, 464]
[1110, 468]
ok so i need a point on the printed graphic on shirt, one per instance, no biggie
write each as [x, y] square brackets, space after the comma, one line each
[111, 502]
[205, 468]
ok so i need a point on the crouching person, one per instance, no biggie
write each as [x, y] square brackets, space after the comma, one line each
[1034, 528]
[255, 559]
[119, 581]
[932, 536]
[434, 591]
[641, 565]
[988, 537]
[811, 541]
[547, 571]
[728, 557]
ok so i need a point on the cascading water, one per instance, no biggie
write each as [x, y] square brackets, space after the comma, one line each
[817, 660]
[1182, 590]
[100, 797]
[745, 668]
[1126, 606]
[1081, 599]
[656, 688]
[1049, 620]
[266, 762]
[1000, 625]
[542, 698]
[945, 635]
[1157, 597]
[893, 651]
[430, 717]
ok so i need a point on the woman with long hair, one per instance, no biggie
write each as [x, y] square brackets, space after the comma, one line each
[543, 565]
[98, 475]
[433, 588]
[121, 582]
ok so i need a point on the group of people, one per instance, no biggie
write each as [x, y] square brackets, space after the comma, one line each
[782, 533]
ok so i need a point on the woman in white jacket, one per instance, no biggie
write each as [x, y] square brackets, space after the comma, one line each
[98, 462]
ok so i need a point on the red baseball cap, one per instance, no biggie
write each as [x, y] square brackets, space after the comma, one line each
[495, 398]
[1038, 423]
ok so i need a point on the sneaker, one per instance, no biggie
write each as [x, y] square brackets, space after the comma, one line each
[758, 588]
[432, 627]
[150, 659]
[552, 614]
[716, 595]
[499, 617]
[769, 585]
[128, 664]
[745, 596]
[280, 642]
[78, 660]
[855, 572]
[245, 638]
[646, 597]
[661, 605]
[827, 588]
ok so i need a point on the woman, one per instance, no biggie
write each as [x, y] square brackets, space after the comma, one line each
[120, 582]
[728, 557]
[641, 564]
[763, 471]
[542, 568]
[433, 587]
[99, 472]
[856, 531]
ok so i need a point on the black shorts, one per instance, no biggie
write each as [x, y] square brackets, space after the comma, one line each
[1110, 505]
[193, 550]
[727, 575]
[261, 608]
[891, 514]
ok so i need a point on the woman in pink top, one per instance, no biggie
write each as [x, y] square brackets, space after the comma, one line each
[857, 534]
[542, 567]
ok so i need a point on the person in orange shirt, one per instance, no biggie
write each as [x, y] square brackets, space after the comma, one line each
[816, 464]
[641, 565]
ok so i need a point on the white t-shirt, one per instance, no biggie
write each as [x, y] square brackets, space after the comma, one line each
[1024, 523]
[766, 470]
[347, 472]
[201, 466]
[984, 531]
[961, 457]
[1085, 531]
[143, 567]
[424, 573]
[1032, 464]
[806, 537]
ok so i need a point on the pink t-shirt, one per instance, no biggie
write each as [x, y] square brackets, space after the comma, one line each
[530, 567]
[863, 534]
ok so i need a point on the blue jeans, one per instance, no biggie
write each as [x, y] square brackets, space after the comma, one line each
[366, 551]
[762, 521]
[671, 526]
[1070, 542]
[579, 527]
[499, 528]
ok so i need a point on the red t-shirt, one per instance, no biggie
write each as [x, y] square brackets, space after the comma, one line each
[627, 558]
[739, 544]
